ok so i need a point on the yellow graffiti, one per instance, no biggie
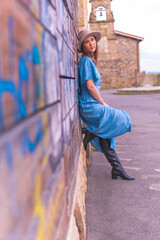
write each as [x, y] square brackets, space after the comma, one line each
[46, 227]
[39, 210]
[44, 160]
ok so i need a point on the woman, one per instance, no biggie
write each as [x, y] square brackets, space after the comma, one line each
[104, 123]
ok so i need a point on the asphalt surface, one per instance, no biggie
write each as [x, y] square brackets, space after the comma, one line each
[128, 210]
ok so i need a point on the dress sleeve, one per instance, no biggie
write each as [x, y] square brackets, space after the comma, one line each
[86, 70]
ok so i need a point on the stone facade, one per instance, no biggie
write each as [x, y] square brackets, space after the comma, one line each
[82, 15]
[119, 61]
[122, 71]
[77, 228]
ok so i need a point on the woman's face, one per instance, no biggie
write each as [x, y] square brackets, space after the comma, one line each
[90, 44]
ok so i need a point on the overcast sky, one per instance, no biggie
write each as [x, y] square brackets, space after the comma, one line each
[142, 18]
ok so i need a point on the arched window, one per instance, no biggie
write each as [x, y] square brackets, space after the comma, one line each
[101, 13]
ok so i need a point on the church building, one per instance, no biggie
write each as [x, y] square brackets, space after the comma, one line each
[119, 58]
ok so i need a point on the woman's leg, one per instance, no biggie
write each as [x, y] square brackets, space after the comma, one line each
[110, 154]
[88, 137]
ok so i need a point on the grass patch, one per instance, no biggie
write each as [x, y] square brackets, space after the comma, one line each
[93, 149]
[136, 92]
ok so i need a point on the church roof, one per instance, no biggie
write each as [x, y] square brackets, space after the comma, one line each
[129, 35]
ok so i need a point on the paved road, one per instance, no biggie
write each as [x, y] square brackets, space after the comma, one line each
[128, 210]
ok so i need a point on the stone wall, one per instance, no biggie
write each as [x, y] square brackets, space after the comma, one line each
[152, 79]
[123, 71]
[82, 15]
[77, 229]
[39, 122]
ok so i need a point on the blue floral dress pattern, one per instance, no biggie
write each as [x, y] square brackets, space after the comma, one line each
[103, 121]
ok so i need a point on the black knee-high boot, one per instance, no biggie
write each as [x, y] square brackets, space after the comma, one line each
[110, 154]
[88, 137]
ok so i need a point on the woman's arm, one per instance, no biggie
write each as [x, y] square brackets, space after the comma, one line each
[94, 92]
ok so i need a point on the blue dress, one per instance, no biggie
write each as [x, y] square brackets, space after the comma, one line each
[103, 121]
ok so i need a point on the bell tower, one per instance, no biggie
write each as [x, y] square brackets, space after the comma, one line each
[102, 20]
[101, 11]
[118, 51]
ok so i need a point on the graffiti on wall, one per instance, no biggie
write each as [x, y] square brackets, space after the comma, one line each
[38, 117]
[27, 62]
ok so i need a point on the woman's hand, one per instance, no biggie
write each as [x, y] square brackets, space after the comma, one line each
[105, 104]
[94, 92]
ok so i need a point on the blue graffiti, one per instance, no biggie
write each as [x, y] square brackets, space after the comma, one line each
[15, 89]
[7, 85]
[35, 55]
[26, 143]
[19, 107]
[23, 77]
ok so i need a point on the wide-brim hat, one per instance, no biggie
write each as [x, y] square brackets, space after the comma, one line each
[82, 35]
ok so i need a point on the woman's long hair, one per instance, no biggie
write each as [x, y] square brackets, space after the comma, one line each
[94, 57]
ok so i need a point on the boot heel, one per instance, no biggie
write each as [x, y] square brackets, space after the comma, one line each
[114, 176]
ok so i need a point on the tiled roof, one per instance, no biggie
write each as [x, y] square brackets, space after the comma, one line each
[129, 35]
